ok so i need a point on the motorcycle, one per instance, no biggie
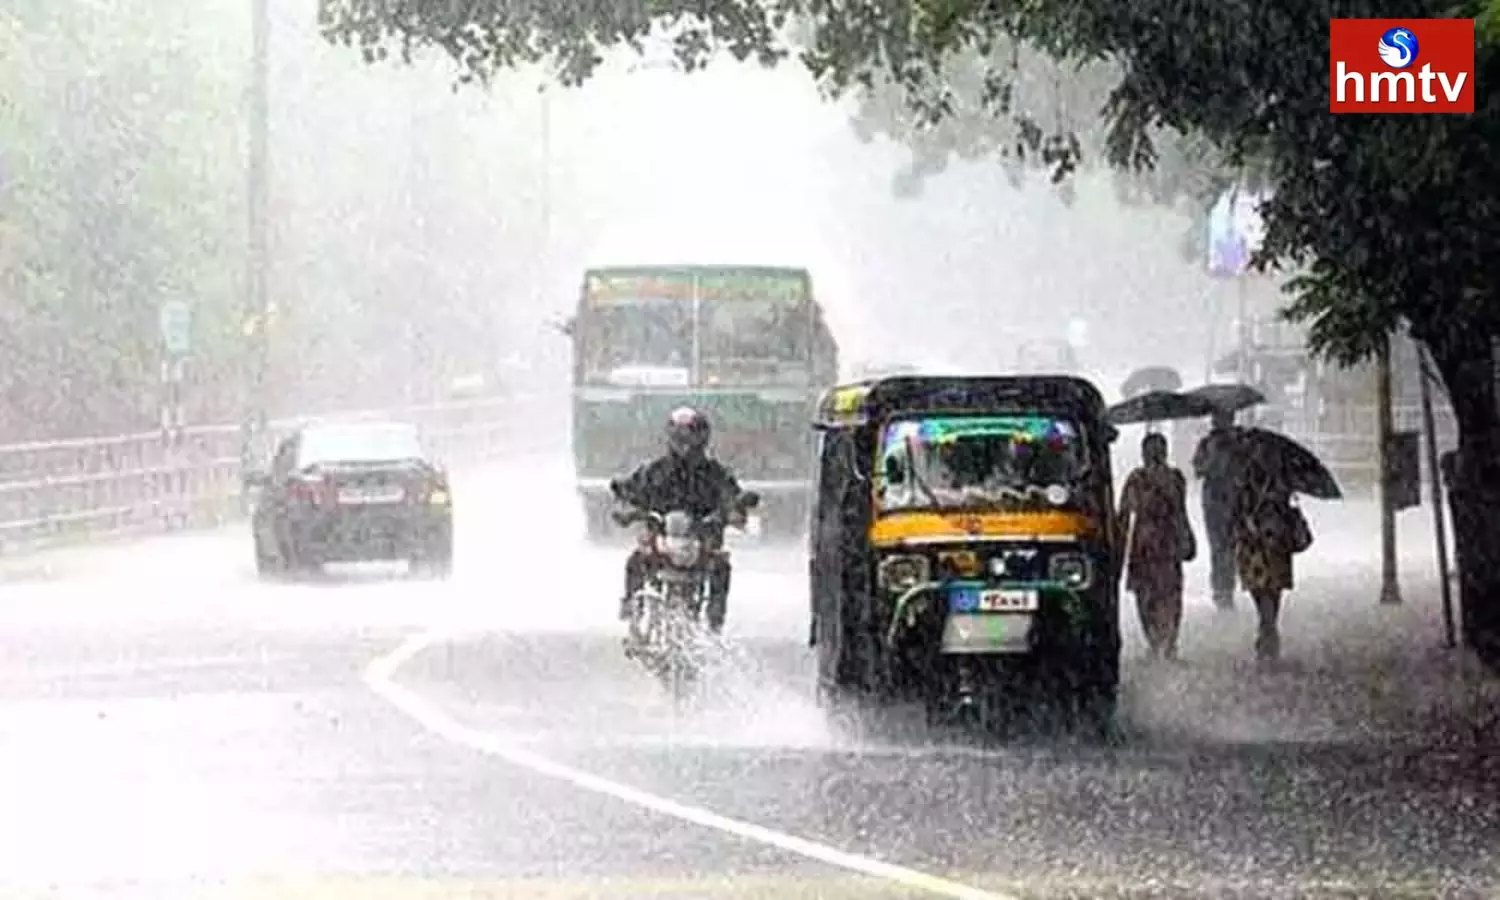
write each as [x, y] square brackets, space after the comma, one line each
[666, 621]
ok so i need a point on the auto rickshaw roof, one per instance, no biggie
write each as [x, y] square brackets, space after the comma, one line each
[862, 402]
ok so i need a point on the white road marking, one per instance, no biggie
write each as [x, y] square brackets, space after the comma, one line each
[894, 751]
[379, 675]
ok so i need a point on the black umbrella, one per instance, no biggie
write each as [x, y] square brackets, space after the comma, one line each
[1229, 397]
[1159, 406]
[1151, 378]
[1301, 468]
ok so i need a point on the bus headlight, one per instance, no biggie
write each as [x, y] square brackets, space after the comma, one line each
[1071, 570]
[901, 572]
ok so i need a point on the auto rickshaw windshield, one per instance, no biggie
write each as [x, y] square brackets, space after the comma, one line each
[953, 462]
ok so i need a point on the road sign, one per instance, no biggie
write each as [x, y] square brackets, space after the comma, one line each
[1235, 231]
[176, 321]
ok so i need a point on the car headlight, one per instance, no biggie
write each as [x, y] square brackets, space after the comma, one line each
[1071, 570]
[681, 549]
[901, 572]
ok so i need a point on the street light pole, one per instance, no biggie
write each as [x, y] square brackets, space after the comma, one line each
[416, 239]
[544, 258]
[257, 257]
[1390, 586]
[1428, 374]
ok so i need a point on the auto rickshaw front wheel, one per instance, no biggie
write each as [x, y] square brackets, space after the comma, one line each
[983, 694]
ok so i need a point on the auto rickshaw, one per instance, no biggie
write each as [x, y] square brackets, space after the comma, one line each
[963, 547]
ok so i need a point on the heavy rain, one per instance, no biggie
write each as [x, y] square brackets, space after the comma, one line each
[763, 449]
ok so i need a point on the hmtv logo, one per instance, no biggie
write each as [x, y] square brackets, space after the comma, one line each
[1401, 65]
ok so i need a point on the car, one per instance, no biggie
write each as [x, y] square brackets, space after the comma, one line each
[352, 492]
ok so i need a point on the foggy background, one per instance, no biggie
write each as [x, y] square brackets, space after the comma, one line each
[420, 235]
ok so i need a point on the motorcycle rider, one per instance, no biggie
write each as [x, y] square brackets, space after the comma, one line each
[685, 478]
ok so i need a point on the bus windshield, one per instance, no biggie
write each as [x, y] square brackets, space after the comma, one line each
[627, 341]
[754, 316]
[977, 462]
[752, 326]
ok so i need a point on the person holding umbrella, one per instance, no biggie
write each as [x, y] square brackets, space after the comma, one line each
[1213, 463]
[1269, 527]
[1153, 515]
[1268, 530]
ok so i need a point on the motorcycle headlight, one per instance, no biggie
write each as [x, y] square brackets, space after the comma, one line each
[901, 572]
[677, 524]
[681, 549]
[1071, 570]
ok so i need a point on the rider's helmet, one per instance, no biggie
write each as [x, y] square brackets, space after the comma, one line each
[688, 432]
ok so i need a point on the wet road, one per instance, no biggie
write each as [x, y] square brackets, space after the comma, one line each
[171, 727]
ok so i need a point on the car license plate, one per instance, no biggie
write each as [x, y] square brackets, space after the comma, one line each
[366, 496]
[753, 526]
[1008, 600]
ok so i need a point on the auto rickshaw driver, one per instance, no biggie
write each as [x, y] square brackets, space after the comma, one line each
[977, 470]
[951, 471]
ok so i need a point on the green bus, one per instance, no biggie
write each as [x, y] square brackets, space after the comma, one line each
[748, 345]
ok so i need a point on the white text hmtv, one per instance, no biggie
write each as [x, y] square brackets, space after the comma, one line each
[1415, 88]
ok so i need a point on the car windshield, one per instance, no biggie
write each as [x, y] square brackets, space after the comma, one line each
[372, 443]
[977, 462]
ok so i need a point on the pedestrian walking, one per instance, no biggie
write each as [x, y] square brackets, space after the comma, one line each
[1214, 462]
[1269, 529]
[1159, 539]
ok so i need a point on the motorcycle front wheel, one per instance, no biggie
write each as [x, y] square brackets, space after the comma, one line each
[678, 669]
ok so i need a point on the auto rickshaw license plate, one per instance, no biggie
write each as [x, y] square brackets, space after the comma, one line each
[1003, 600]
[1000, 600]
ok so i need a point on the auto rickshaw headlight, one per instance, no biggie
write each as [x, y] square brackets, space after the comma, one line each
[1071, 570]
[901, 572]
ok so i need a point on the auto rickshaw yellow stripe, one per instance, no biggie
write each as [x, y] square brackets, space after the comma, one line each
[893, 529]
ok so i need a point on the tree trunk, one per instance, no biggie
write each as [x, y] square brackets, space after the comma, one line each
[1468, 368]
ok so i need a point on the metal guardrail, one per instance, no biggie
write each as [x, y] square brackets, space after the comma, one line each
[85, 488]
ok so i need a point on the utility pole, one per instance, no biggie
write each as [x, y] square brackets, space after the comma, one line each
[1246, 331]
[544, 258]
[1211, 313]
[257, 324]
[416, 239]
[1390, 587]
[1435, 479]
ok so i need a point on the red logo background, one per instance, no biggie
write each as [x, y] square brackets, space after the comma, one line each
[1445, 44]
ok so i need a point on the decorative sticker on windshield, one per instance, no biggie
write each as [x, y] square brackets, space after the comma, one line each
[948, 430]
